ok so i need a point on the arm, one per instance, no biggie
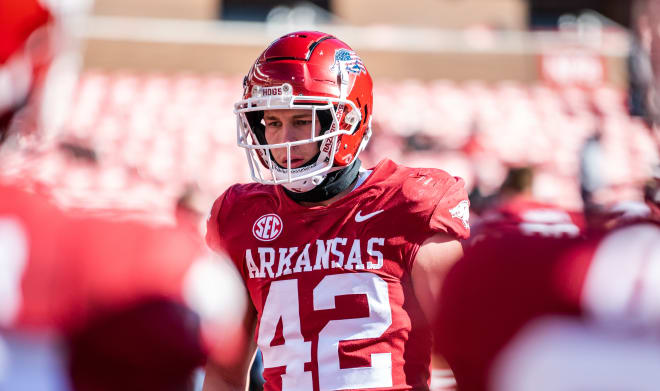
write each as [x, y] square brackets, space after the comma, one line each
[233, 377]
[434, 259]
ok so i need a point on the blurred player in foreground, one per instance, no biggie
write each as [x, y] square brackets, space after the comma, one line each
[526, 312]
[87, 304]
[341, 263]
[133, 307]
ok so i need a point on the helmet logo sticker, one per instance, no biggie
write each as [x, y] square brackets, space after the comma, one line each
[347, 61]
[267, 227]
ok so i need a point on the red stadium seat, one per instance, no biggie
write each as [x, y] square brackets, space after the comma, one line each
[155, 133]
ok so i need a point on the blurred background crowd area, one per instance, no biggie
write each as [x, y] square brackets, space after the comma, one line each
[142, 119]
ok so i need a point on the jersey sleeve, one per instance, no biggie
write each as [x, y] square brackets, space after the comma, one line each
[213, 227]
[436, 203]
[451, 213]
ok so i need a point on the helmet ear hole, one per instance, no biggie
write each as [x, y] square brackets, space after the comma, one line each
[325, 118]
[363, 119]
[352, 117]
[254, 120]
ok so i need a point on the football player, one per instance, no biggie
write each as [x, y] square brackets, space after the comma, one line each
[550, 310]
[341, 263]
[527, 312]
[524, 312]
[89, 304]
[128, 306]
[516, 209]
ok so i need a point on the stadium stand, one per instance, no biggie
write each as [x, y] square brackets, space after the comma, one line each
[152, 135]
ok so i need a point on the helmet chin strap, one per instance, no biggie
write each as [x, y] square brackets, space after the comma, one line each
[333, 184]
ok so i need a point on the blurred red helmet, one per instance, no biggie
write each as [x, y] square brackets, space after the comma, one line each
[38, 63]
[21, 55]
[306, 70]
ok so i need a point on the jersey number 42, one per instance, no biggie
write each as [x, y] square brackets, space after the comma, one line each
[295, 352]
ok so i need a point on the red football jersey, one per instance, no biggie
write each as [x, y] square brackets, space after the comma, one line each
[528, 216]
[127, 294]
[331, 284]
[528, 312]
[38, 286]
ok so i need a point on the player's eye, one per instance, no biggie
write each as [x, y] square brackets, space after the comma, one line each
[303, 122]
[273, 123]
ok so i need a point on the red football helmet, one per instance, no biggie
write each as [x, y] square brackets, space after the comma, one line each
[39, 62]
[306, 70]
[19, 20]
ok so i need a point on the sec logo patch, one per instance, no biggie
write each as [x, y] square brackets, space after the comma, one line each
[267, 227]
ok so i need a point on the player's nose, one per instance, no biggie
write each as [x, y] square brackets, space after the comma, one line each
[290, 132]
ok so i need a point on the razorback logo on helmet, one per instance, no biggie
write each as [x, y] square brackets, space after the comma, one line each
[462, 211]
[267, 227]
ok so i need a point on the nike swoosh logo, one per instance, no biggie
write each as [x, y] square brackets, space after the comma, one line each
[360, 218]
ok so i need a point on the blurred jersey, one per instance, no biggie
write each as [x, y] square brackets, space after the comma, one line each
[331, 285]
[528, 216]
[141, 306]
[528, 312]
